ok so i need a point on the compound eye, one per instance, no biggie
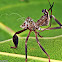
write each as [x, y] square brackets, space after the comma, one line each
[44, 10]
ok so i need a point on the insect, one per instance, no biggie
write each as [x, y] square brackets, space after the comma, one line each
[32, 26]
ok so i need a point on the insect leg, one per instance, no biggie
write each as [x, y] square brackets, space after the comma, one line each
[15, 38]
[41, 46]
[56, 20]
[51, 18]
[53, 28]
[26, 45]
[39, 35]
[51, 10]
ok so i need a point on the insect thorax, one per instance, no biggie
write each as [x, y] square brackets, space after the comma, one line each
[29, 23]
[44, 20]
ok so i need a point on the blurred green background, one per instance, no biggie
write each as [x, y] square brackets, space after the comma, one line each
[14, 12]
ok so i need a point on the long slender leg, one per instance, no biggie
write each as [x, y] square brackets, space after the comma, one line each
[51, 18]
[39, 35]
[53, 28]
[26, 45]
[51, 11]
[41, 46]
[15, 38]
[56, 20]
[43, 30]
[50, 28]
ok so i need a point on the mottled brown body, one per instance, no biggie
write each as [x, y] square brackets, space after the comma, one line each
[43, 21]
[29, 23]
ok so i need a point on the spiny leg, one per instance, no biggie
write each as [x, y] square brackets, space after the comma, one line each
[56, 20]
[15, 38]
[41, 46]
[26, 45]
